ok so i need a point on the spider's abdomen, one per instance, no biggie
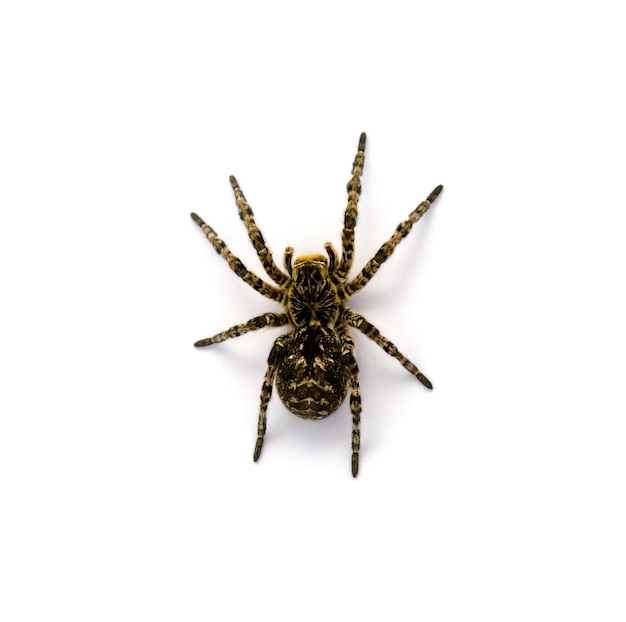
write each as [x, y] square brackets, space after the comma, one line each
[311, 378]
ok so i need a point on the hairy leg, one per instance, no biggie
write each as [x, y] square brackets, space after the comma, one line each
[266, 393]
[267, 319]
[369, 330]
[235, 263]
[349, 223]
[347, 350]
[385, 251]
[256, 237]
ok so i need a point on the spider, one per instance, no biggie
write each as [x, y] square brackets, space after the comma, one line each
[314, 365]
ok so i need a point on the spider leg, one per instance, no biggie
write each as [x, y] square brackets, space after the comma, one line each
[347, 350]
[369, 330]
[235, 263]
[267, 319]
[287, 259]
[385, 251]
[266, 392]
[349, 222]
[256, 237]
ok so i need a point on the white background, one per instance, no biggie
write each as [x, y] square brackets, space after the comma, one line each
[127, 484]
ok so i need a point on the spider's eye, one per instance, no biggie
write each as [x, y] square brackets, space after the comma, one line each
[315, 258]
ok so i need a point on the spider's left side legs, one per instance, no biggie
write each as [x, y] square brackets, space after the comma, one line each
[235, 264]
[256, 237]
[266, 392]
[261, 321]
[347, 351]
[369, 330]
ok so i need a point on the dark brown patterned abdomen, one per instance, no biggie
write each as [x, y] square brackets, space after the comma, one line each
[311, 377]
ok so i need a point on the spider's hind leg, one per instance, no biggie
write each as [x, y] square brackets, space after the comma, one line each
[369, 330]
[266, 392]
[235, 264]
[347, 351]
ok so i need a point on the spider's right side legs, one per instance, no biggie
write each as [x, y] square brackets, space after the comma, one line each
[266, 392]
[385, 251]
[369, 330]
[349, 223]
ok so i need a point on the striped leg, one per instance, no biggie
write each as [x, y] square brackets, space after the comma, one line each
[349, 223]
[267, 319]
[347, 350]
[256, 237]
[266, 392]
[385, 251]
[369, 330]
[235, 263]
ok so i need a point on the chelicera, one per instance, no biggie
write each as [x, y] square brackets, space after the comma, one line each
[314, 365]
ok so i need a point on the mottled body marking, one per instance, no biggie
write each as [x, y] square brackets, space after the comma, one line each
[311, 377]
[314, 365]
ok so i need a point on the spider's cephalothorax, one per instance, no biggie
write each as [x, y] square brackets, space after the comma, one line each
[311, 297]
[314, 365]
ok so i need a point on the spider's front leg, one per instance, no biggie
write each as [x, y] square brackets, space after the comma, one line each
[266, 391]
[235, 264]
[350, 216]
[386, 250]
[256, 237]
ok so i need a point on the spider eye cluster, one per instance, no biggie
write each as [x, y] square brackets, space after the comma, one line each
[307, 259]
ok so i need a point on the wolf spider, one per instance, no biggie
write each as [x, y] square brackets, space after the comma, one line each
[314, 364]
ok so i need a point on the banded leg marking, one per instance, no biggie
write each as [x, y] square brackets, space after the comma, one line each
[348, 349]
[256, 237]
[350, 216]
[369, 330]
[261, 321]
[266, 394]
[386, 250]
[235, 264]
